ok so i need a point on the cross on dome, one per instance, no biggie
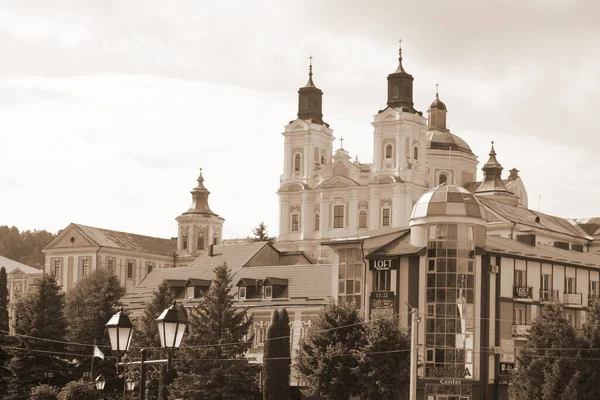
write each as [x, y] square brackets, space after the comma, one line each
[341, 142]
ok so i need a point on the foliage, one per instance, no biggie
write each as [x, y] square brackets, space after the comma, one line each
[39, 314]
[327, 358]
[79, 390]
[3, 300]
[24, 247]
[89, 305]
[211, 361]
[44, 392]
[277, 358]
[384, 359]
[260, 233]
[544, 373]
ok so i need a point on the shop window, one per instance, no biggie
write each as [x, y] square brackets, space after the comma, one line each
[382, 280]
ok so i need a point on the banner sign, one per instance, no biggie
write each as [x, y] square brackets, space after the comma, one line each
[383, 264]
[383, 302]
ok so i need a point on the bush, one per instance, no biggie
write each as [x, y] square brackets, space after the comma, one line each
[79, 390]
[44, 392]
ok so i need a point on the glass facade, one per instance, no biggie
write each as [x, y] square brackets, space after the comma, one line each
[350, 276]
[450, 301]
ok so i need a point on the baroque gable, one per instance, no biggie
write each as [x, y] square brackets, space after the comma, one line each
[71, 237]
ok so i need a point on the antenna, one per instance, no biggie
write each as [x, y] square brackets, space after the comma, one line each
[539, 201]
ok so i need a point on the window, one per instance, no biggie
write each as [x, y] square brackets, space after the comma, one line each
[110, 264]
[297, 162]
[242, 292]
[520, 278]
[184, 242]
[200, 243]
[57, 268]
[317, 221]
[129, 269]
[322, 159]
[350, 276]
[190, 292]
[545, 288]
[149, 267]
[388, 151]
[304, 327]
[260, 333]
[594, 288]
[382, 280]
[443, 178]
[85, 266]
[295, 222]
[569, 285]
[386, 217]
[519, 315]
[338, 216]
[416, 153]
[268, 292]
[362, 219]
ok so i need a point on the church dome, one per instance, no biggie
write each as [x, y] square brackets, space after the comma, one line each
[438, 104]
[448, 200]
[444, 140]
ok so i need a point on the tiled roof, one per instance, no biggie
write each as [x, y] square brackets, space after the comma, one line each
[129, 241]
[499, 245]
[522, 215]
[473, 186]
[11, 265]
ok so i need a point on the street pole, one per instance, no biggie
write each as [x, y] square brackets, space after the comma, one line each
[413, 353]
[143, 376]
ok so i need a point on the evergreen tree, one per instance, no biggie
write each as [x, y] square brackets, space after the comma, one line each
[544, 373]
[327, 358]
[277, 358]
[89, 305]
[39, 314]
[260, 233]
[211, 361]
[384, 359]
[3, 301]
[4, 339]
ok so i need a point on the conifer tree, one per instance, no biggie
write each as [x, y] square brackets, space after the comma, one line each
[277, 358]
[327, 359]
[3, 301]
[211, 362]
[260, 233]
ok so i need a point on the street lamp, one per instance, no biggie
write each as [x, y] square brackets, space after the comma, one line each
[130, 384]
[100, 382]
[119, 329]
[171, 326]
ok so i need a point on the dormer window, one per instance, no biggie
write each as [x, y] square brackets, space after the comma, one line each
[190, 292]
[268, 292]
[242, 292]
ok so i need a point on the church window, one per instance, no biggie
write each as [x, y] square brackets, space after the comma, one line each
[295, 222]
[362, 219]
[323, 160]
[443, 178]
[388, 151]
[184, 243]
[386, 217]
[416, 153]
[57, 267]
[297, 162]
[200, 243]
[149, 267]
[129, 269]
[338, 216]
[317, 221]
[85, 266]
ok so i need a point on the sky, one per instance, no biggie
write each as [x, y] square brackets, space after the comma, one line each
[109, 108]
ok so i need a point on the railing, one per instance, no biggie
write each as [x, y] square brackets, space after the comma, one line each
[520, 330]
[549, 295]
[522, 292]
[572, 298]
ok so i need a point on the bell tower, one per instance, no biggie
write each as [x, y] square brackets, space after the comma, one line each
[400, 87]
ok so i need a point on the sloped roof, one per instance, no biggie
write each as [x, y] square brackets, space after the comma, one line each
[398, 247]
[12, 265]
[524, 216]
[473, 186]
[590, 225]
[499, 245]
[129, 241]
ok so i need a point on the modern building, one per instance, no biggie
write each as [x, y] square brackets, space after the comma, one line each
[78, 249]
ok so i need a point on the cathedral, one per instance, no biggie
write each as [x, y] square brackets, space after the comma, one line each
[325, 195]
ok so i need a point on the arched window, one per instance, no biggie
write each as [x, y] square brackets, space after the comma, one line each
[443, 178]
[388, 151]
[317, 221]
[416, 153]
[322, 160]
[362, 219]
[297, 162]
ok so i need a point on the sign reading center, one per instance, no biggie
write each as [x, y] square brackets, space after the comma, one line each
[383, 264]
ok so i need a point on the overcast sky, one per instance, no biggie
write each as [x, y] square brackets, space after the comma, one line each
[109, 108]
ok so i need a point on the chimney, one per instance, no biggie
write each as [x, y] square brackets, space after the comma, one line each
[210, 249]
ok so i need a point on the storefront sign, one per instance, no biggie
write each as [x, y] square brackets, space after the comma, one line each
[450, 382]
[522, 292]
[382, 302]
[383, 264]
[450, 371]
[507, 368]
[503, 382]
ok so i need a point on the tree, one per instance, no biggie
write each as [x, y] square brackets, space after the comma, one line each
[211, 361]
[79, 390]
[43, 392]
[260, 233]
[384, 359]
[277, 358]
[3, 301]
[89, 305]
[24, 246]
[39, 314]
[544, 373]
[327, 358]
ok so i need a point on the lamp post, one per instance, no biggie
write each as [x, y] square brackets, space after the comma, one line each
[100, 381]
[172, 324]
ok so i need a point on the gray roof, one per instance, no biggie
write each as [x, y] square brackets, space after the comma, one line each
[400, 246]
[12, 265]
[590, 225]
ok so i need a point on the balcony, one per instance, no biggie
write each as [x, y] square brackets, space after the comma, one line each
[522, 292]
[572, 299]
[520, 330]
[549, 296]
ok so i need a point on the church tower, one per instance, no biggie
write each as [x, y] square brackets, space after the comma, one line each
[198, 227]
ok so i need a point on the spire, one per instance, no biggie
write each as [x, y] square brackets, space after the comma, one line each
[200, 198]
[400, 87]
[492, 181]
[310, 99]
